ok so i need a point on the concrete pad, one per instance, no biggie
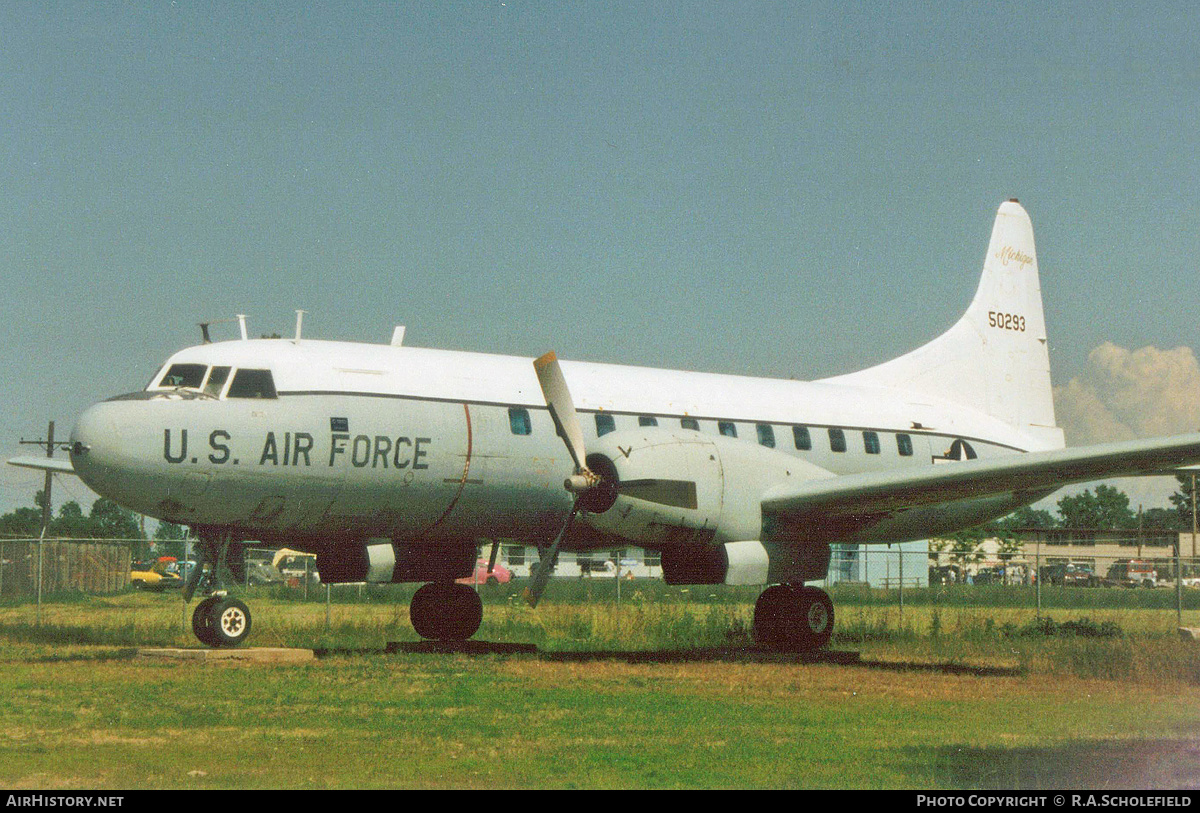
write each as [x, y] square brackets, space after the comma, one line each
[247, 655]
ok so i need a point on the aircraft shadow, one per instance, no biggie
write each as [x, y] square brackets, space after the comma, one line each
[696, 655]
[1159, 764]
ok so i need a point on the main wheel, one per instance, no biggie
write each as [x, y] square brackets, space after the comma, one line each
[816, 623]
[202, 622]
[771, 616]
[794, 618]
[446, 611]
[230, 620]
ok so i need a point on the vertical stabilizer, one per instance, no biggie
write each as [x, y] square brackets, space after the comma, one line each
[994, 359]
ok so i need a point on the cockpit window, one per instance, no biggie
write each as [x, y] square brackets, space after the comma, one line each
[216, 380]
[252, 384]
[184, 375]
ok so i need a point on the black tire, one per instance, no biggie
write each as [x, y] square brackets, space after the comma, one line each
[444, 611]
[771, 616]
[230, 622]
[793, 618]
[202, 622]
[817, 619]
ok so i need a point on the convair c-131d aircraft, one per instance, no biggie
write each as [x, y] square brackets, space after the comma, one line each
[394, 464]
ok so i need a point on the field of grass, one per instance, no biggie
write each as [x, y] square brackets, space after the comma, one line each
[952, 695]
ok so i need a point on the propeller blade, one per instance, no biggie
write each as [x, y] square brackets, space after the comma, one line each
[562, 408]
[541, 574]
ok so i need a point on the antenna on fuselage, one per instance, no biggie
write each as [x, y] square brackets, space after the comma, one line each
[299, 322]
[204, 326]
[241, 317]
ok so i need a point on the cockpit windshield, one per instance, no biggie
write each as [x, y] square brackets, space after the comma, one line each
[183, 375]
[212, 380]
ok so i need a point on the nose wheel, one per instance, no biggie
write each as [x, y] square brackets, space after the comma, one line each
[221, 621]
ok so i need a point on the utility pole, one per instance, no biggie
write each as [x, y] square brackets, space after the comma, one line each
[46, 509]
[48, 444]
[1193, 516]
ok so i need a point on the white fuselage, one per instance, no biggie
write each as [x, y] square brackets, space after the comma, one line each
[407, 443]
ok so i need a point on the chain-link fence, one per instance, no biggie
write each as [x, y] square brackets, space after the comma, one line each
[1100, 579]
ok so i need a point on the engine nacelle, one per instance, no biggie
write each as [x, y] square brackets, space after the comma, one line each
[677, 487]
[386, 562]
[744, 563]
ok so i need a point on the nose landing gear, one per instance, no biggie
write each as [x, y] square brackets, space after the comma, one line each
[221, 621]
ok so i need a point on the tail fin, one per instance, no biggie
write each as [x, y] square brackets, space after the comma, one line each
[994, 359]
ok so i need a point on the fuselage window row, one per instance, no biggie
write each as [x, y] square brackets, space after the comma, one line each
[765, 432]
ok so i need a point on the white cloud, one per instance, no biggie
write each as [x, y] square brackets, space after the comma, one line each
[1129, 394]
[1126, 394]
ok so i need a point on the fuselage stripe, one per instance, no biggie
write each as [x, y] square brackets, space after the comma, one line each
[542, 406]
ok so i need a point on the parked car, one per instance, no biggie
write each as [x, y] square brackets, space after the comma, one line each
[156, 576]
[262, 573]
[499, 575]
[1132, 573]
[1071, 574]
[294, 565]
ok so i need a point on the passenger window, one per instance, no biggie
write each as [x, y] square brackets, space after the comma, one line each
[904, 445]
[252, 384]
[604, 424]
[727, 429]
[690, 423]
[184, 375]
[646, 420]
[871, 442]
[802, 438]
[518, 421]
[216, 380]
[766, 435]
[837, 440]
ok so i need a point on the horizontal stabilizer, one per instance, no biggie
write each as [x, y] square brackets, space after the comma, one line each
[895, 491]
[58, 466]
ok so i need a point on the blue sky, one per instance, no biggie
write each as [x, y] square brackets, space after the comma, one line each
[783, 189]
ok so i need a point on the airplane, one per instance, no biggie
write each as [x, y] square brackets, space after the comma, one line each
[396, 464]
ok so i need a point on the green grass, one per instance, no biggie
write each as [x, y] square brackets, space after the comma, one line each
[1096, 699]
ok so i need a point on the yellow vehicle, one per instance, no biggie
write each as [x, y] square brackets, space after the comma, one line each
[157, 575]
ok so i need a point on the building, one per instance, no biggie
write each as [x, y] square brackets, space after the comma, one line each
[886, 566]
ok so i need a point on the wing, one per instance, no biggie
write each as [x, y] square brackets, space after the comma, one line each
[58, 466]
[858, 504]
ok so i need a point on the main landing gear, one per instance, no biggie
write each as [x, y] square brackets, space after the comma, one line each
[793, 617]
[446, 611]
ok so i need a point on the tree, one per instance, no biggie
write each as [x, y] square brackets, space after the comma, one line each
[71, 522]
[23, 522]
[1163, 519]
[1025, 517]
[111, 521]
[1107, 509]
[1182, 500]
[168, 539]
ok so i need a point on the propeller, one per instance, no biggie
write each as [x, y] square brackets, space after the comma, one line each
[566, 423]
[594, 483]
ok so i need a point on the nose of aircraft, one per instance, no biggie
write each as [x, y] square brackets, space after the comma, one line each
[96, 446]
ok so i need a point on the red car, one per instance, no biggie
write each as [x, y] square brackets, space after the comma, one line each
[499, 575]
